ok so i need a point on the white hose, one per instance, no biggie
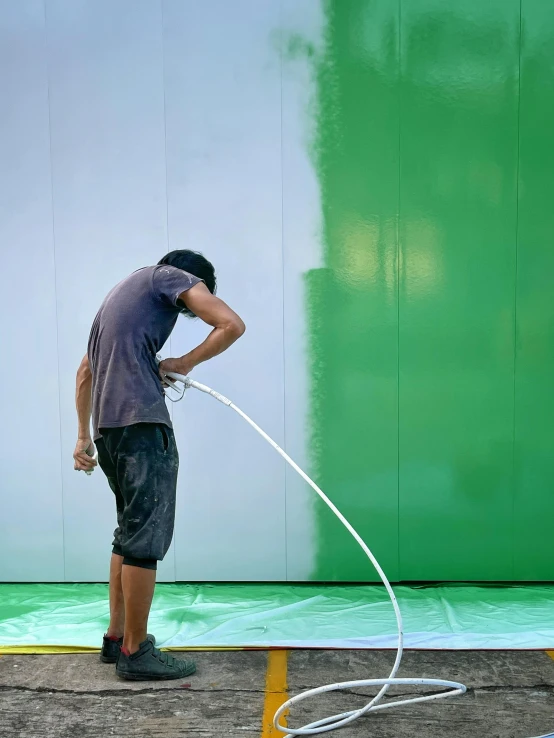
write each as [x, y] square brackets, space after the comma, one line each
[337, 721]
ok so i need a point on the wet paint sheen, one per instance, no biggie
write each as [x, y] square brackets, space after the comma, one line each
[353, 302]
[458, 221]
[425, 150]
[534, 411]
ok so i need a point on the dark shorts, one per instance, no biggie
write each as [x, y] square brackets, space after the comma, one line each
[141, 463]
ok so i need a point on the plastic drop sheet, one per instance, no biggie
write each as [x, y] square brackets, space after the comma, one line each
[42, 617]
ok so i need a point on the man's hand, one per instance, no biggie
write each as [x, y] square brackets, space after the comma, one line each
[177, 366]
[84, 461]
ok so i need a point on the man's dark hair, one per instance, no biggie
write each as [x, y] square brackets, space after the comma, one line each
[193, 263]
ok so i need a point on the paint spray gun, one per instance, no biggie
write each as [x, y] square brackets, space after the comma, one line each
[172, 382]
[171, 389]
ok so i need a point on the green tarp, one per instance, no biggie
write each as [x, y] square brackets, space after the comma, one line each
[279, 615]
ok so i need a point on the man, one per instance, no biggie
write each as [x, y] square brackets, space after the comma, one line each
[120, 384]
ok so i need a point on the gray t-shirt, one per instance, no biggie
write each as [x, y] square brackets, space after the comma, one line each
[132, 325]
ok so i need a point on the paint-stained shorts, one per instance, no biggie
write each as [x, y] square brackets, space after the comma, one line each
[141, 463]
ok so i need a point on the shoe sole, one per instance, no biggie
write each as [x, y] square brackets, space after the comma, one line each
[154, 678]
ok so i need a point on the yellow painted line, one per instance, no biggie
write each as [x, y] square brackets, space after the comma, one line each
[86, 649]
[46, 649]
[275, 691]
[551, 654]
[203, 648]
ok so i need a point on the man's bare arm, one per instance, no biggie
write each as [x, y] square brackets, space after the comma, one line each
[83, 403]
[227, 328]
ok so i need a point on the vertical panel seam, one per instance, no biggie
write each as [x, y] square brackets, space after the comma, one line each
[165, 125]
[285, 471]
[514, 485]
[172, 411]
[398, 259]
[46, 54]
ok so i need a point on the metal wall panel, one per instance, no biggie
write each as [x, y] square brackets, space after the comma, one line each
[458, 172]
[223, 117]
[352, 170]
[534, 429]
[301, 22]
[106, 98]
[353, 301]
[31, 525]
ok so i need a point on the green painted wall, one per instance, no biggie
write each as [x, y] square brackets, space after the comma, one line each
[432, 323]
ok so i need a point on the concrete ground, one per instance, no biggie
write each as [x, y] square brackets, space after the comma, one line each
[510, 695]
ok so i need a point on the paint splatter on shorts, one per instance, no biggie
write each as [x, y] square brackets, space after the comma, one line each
[141, 463]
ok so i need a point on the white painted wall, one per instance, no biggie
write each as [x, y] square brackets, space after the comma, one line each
[129, 128]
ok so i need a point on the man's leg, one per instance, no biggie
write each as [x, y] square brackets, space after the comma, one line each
[148, 462]
[117, 606]
[117, 603]
[138, 590]
[139, 659]
[147, 465]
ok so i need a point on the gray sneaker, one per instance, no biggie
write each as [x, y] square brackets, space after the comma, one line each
[111, 648]
[150, 663]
